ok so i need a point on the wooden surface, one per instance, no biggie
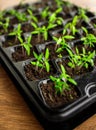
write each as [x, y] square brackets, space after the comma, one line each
[14, 112]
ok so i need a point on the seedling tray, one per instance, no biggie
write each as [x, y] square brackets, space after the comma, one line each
[68, 115]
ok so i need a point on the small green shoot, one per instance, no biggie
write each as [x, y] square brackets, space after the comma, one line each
[53, 18]
[43, 30]
[2, 15]
[89, 40]
[61, 43]
[5, 24]
[59, 3]
[27, 44]
[42, 61]
[45, 13]
[84, 59]
[70, 27]
[82, 15]
[17, 31]
[32, 16]
[63, 81]
[19, 15]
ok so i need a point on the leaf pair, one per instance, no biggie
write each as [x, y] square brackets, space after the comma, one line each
[42, 60]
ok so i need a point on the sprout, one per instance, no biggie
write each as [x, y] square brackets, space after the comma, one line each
[62, 82]
[42, 61]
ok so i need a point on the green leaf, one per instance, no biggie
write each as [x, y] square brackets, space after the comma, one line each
[35, 55]
[46, 35]
[47, 54]
[59, 40]
[29, 39]
[72, 81]
[85, 30]
[47, 66]
[33, 63]
[68, 37]
[71, 64]
[62, 69]
[20, 39]
[34, 25]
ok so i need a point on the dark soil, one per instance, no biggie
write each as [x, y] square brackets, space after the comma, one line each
[36, 39]
[77, 71]
[58, 34]
[13, 21]
[27, 27]
[57, 100]
[79, 45]
[33, 74]
[90, 14]
[10, 41]
[95, 61]
[55, 29]
[93, 21]
[67, 16]
[90, 31]
[3, 32]
[82, 24]
[52, 50]
[39, 17]
[20, 54]
[69, 9]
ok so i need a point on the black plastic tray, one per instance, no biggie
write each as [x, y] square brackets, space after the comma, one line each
[65, 117]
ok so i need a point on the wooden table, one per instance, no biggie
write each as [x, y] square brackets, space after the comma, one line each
[14, 112]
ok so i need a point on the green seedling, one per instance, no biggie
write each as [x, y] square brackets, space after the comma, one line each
[17, 31]
[5, 24]
[82, 15]
[84, 59]
[62, 82]
[54, 18]
[32, 16]
[27, 44]
[2, 15]
[89, 40]
[43, 30]
[34, 25]
[59, 3]
[61, 43]
[70, 27]
[45, 13]
[42, 61]
[19, 15]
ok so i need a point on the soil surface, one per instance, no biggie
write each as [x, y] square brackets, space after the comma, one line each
[32, 73]
[77, 71]
[20, 54]
[27, 27]
[10, 41]
[52, 49]
[2, 31]
[38, 39]
[56, 100]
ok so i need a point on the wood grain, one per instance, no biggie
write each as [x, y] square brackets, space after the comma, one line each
[14, 112]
